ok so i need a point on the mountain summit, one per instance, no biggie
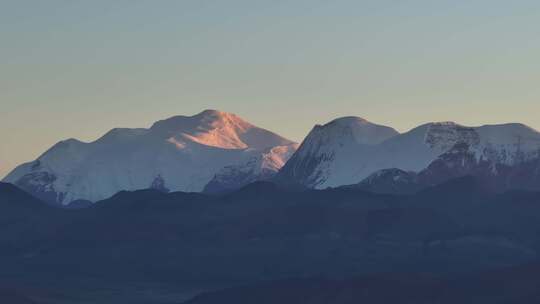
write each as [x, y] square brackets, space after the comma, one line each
[218, 129]
[355, 129]
[182, 153]
[332, 150]
[348, 150]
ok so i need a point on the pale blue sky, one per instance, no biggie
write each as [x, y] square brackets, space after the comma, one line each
[79, 68]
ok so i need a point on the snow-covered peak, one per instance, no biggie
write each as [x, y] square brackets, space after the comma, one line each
[501, 143]
[332, 149]
[349, 120]
[356, 128]
[207, 119]
[342, 134]
[337, 154]
[181, 153]
[515, 133]
[216, 129]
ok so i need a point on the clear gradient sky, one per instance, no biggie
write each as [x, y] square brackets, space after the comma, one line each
[79, 68]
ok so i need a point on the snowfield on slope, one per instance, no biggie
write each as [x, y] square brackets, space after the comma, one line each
[333, 155]
[182, 153]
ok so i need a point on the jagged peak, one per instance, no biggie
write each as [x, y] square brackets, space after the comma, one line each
[426, 126]
[501, 126]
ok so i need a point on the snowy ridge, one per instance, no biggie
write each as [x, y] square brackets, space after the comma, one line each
[460, 161]
[217, 129]
[328, 150]
[333, 156]
[259, 167]
[216, 151]
[182, 153]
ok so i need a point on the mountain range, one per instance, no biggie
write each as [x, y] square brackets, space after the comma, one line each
[218, 152]
[350, 151]
[211, 209]
[182, 153]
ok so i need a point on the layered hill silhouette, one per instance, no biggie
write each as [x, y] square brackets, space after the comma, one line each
[510, 285]
[187, 242]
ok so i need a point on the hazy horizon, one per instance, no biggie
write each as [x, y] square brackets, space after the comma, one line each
[73, 69]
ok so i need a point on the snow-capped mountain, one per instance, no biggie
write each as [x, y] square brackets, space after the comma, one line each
[182, 153]
[460, 161]
[328, 158]
[330, 151]
[260, 167]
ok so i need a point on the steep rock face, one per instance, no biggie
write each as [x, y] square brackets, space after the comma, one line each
[330, 159]
[181, 153]
[329, 151]
[460, 161]
[261, 167]
[493, 174]
[457, 162]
